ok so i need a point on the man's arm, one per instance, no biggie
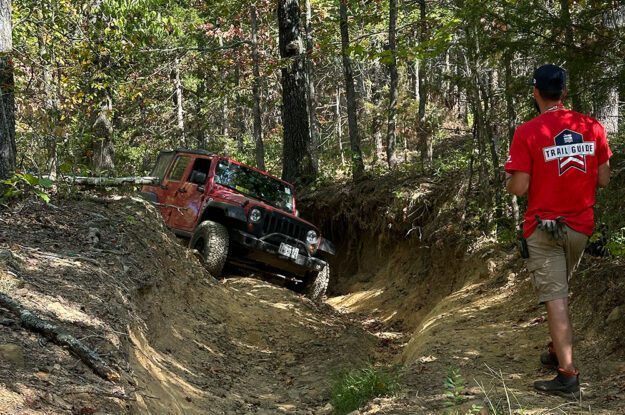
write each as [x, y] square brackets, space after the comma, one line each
[603, 175]
[517, 183]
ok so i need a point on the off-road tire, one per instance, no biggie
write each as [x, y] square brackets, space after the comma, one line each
[316, 284]
[211, 239]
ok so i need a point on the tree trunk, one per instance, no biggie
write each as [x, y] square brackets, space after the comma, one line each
[339, 126]
[358, 167]
[360, 81]
[479, 128]
[511, 112]
[241, 113]
[225, 122]
[7, 97]
[103, 151]
[391, 138]
[607, 109]
[200, 131]
[377, 118]
[571, 54]
[258, 128]
[102, 125]
[510, 109]
[52, 120]
[424, 138]
[179, 103]
[488, 97]
[296, 151]
[413, 79]
[311, 98]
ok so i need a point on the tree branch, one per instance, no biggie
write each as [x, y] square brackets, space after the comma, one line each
[33, 323]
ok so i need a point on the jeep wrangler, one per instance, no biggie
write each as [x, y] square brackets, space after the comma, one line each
[236, 214]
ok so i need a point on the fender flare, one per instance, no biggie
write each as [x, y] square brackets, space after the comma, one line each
[327, 247]
[228, 210]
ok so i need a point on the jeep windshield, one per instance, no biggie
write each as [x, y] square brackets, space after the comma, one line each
[254, 184]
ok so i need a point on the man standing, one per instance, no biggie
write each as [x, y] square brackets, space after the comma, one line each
[559, 158]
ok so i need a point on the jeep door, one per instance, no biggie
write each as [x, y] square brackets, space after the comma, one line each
[171, 183]
[158, 192]
[190, 193]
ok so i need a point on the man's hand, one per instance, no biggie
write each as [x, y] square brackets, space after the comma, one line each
[517, 183]
[603, 174]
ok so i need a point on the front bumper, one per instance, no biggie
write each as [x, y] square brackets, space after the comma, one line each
[250, 241]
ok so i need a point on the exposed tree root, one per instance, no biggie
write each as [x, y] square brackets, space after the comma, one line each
[31, 322]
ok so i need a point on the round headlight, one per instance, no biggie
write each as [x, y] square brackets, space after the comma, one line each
[255, 215]
[311, 237]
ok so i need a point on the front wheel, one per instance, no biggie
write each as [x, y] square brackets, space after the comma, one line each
[316, 284]
[211, 239]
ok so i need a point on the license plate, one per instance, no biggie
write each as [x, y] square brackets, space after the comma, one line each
[288, 251]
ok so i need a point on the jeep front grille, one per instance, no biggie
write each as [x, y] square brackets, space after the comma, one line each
[275, 223]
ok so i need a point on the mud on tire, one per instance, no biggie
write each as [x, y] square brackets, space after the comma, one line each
[317, 284]
[211, 239]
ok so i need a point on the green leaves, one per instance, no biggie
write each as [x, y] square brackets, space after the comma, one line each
[455, 385]
[387, 57]
[23, 184]
[352, 389]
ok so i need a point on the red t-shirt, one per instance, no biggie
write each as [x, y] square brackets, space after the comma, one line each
[561, 150]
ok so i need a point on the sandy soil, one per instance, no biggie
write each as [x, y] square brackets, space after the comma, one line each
[492, 330]
[185, 343]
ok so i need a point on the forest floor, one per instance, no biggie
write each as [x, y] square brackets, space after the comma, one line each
[108, 272]
[492, 331]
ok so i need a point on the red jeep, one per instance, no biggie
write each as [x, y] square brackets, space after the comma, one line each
[234, 213]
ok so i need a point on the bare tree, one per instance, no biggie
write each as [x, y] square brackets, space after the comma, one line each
[607, 109]
[311, 99]
[178, 101]
[101, 117]
[258, 128]
[7, 97]
[225, 122]
[569, 38]
[391, 138]
[339, 124]
[377, 84]
[358, 167]
[49, 89]
[424, 139]
[298, 165]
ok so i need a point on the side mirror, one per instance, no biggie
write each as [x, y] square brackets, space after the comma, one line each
[201, 189]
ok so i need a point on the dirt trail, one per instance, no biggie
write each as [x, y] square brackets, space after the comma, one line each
[413, 260]
[185, 343]
[247, 347]
[492, 330]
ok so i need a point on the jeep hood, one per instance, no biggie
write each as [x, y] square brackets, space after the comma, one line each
[248, 203]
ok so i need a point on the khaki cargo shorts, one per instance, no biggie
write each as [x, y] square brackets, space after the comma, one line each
[551, 263]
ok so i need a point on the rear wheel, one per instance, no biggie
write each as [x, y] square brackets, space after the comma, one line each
[316, 284]
[211, 240]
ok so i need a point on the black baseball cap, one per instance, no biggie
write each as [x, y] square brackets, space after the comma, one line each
[549, 78]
